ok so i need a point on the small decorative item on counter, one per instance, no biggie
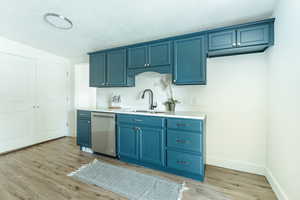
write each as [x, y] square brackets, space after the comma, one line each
[115, 102]
[167, 85]
[171, 104]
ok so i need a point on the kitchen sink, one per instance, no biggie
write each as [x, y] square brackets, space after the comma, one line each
[149, 111]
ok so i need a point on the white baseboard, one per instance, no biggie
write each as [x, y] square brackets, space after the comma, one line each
[281, 195]
[236, 165]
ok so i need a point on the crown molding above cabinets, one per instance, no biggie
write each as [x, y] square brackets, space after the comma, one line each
[183, 56]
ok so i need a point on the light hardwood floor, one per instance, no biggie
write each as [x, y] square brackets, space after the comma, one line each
[39, 172]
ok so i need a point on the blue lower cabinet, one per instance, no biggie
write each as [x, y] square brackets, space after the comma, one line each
[151, 145]
[185, 140]
[141, 144]
[186, 163]
[128, 142]
[147, 141]
[84, 128]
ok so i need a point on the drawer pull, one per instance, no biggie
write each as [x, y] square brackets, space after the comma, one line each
[181, 162]
[137, 120]
[181, 125]
[182, 141]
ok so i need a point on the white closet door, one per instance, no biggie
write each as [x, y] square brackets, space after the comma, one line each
[51, 100]
[17, 98]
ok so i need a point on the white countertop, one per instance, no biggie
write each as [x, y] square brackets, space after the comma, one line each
[177, 114]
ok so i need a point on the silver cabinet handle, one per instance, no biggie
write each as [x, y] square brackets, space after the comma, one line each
[234, 44]
[181, 141]
[145, 65]
[239, 44]
[88, 122]
[102, 83]
[148, 65]
[137, 120]
[181, 162]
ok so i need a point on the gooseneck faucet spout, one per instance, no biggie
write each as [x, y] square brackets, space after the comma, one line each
[151, 104]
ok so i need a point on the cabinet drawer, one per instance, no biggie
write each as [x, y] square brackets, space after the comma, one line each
[141, 120]
[185, 162]
[185, 124]
[82, 114]
[184, 140]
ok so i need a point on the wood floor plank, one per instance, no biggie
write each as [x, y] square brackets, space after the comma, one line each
[40, 173]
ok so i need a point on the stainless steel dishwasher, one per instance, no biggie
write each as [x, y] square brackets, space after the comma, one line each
[104, 133]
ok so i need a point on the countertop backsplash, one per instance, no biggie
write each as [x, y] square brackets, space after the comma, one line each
[131, 97]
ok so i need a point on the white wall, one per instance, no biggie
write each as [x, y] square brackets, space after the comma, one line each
[234, 100]
[22, 67]
[283, 159]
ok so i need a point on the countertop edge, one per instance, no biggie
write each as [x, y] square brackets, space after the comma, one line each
[180, 114]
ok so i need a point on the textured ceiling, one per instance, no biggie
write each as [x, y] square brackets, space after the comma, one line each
[100, 24]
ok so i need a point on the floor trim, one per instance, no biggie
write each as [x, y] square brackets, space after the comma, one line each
[236, 165]
[32, 145]
[281, 195]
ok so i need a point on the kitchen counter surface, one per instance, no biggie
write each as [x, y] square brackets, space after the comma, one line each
[177, 114]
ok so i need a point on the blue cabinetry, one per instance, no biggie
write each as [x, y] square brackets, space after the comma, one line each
[168, 144]
[84, 128]
[183, 56]
[138, 57]
[241, 39]
[116, 68]
[97, 70]
[108, 69]
[141, 141]
[151, 55]
[253, 35]
[127, 141]
[151, 145]
[190, 61]
[222, 40]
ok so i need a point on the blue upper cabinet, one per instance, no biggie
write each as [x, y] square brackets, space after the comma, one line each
[116, 68]
[241, 39]
[154, 56]
[97, 70]
[253, 35]
[159, 54]
[137, 57]
[108, 69]
[222, 40]
[190, 61]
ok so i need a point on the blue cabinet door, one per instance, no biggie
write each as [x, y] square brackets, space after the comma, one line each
[116, 68]
[253, 35]
[222, 40]
[159, 54]
[151, 145]
[190, 61]
[84, 132]
[128, 141]
[138, 57]
[97, 70]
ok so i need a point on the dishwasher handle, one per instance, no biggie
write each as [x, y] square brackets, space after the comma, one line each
[106, 115]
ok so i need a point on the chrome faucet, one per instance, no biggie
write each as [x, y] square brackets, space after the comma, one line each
[151, 104]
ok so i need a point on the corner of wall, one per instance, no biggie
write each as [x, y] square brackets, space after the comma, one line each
[281, 195]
